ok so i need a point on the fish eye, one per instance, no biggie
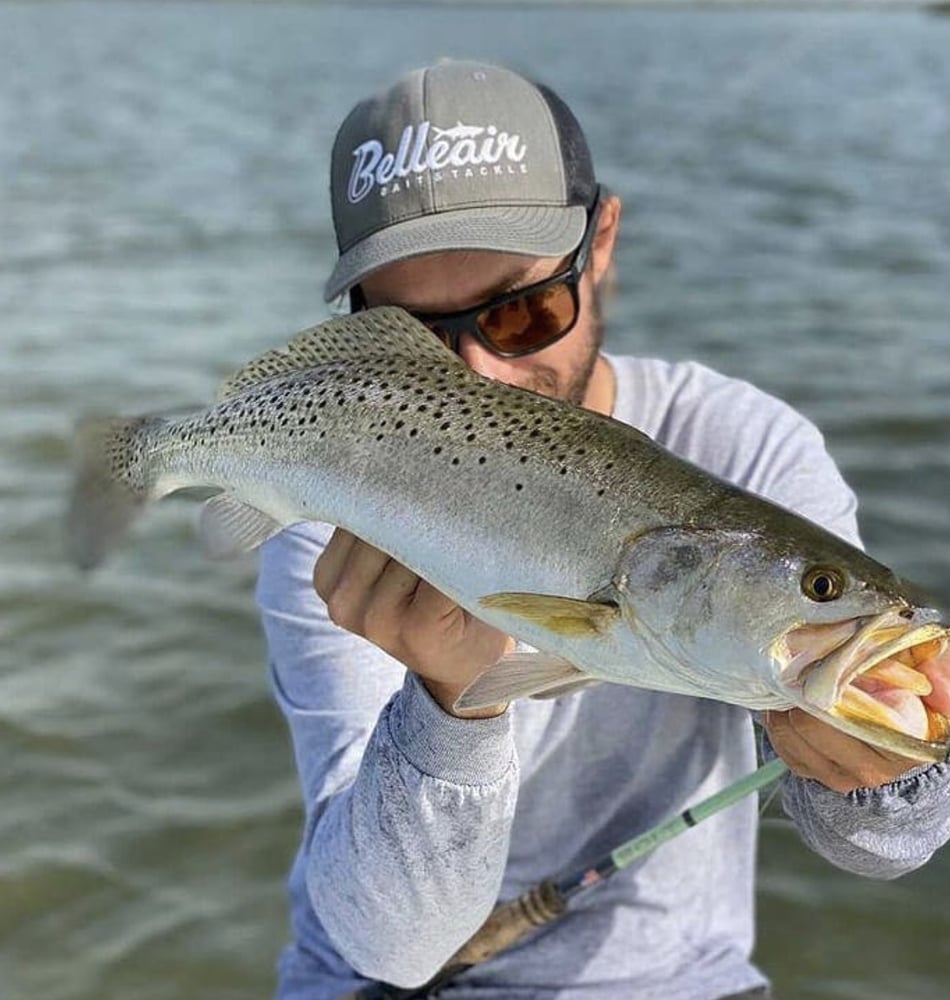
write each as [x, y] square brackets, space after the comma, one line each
[823, 583]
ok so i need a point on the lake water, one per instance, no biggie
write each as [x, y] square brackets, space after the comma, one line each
[163, 217]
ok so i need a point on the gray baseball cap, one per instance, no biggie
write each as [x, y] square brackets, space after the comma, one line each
[457, 156]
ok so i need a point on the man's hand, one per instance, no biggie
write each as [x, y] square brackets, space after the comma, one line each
[372, 595]
[813, 749]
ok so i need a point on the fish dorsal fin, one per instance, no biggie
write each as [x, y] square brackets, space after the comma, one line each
[383, 332]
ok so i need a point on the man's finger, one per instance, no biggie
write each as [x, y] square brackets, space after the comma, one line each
[393, 590]
[802, 756]
[354, 591]
[871, 765]
[327, 570]
[431, 603]
[814, 749]
[788, 744]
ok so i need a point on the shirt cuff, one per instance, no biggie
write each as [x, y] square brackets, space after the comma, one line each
[460, 751]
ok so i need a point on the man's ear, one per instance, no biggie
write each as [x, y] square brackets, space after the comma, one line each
[608, 225]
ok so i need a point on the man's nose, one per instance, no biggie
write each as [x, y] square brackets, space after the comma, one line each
[480, 359]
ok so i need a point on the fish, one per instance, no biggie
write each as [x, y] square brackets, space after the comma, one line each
[610, 558]
[459, 131]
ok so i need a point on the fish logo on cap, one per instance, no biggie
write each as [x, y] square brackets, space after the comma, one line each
[458, 151]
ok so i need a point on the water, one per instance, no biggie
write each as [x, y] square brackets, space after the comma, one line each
[163, 216]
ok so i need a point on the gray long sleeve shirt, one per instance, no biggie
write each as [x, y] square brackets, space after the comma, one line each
[418, 822]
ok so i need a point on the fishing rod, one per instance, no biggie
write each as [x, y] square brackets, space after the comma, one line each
[509, 922]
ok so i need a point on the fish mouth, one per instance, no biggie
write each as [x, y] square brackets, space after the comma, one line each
[884, 679]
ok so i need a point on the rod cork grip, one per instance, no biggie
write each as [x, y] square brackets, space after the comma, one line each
[509, 923]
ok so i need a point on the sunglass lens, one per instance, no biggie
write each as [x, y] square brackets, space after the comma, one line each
[530, 322]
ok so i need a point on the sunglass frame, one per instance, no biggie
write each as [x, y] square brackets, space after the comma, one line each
[449, 327]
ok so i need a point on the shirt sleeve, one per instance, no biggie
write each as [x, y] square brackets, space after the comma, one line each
[876, 832]
[408, 809]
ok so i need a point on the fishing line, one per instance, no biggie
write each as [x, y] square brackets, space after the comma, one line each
[769, 799]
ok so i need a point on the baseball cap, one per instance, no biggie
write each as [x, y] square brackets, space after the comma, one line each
[460, 155]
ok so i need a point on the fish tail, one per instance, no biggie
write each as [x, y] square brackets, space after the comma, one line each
[112, 485]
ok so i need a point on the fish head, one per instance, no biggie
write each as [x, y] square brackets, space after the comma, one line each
[802, 616]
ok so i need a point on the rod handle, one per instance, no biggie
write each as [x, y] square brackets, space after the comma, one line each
[510, 922]
[506, 925]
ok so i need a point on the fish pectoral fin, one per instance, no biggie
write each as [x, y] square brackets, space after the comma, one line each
[568, 687]
[521, 675]
[230, 527]
[565, 616]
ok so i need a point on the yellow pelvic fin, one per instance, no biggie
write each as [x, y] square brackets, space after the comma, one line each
[565, 616]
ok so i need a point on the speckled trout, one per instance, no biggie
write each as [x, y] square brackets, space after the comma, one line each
[614, 559]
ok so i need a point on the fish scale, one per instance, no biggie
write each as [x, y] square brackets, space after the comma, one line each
[567, 529]
[492, 446]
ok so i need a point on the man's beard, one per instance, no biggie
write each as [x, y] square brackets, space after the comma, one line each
[573, 386]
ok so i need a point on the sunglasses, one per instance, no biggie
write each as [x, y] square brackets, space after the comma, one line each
[522, 321]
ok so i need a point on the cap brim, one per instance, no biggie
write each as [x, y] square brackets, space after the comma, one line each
[537, 231]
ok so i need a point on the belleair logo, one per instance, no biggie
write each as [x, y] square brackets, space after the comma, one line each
[442, 153]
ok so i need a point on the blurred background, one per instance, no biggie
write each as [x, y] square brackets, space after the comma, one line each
[164, 216]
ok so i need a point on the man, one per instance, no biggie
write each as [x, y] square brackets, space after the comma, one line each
[466, 195]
